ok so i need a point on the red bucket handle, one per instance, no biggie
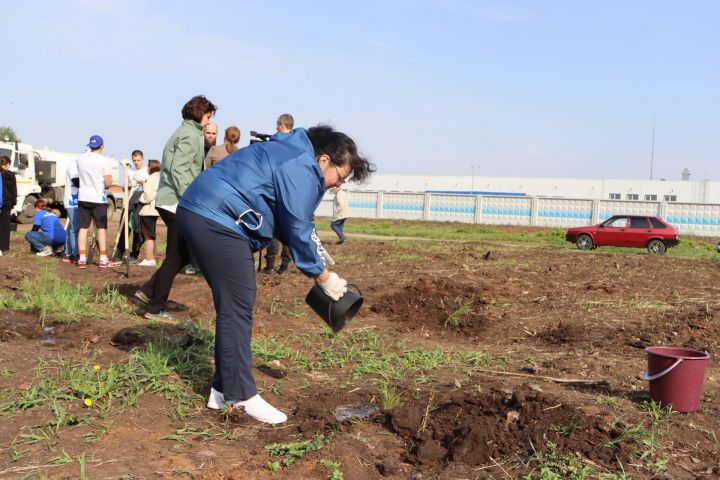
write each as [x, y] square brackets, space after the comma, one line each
[650, 378]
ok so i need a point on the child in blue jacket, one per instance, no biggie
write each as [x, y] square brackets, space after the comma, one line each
[47, 232]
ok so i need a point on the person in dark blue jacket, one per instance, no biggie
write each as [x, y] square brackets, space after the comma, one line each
[47, 232]
[236, 207]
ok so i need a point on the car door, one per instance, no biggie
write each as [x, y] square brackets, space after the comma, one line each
[638, 231]
[613, 232]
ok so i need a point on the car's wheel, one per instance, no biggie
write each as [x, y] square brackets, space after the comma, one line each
[584, 242]
[656, 247]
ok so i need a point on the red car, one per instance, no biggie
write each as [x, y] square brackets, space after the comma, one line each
[626, 231]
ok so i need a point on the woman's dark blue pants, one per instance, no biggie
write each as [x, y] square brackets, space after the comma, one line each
[227, 263]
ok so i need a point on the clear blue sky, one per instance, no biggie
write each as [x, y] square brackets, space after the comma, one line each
[534, 88]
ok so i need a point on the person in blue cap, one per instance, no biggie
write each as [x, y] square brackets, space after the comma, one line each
[264, 191]
[94, 176]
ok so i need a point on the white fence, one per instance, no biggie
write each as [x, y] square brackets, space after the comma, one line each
[688, 218]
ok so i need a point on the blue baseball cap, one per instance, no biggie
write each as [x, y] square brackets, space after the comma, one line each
[96, 141]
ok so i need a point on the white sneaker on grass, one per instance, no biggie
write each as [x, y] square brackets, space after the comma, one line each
[260, 410]
[147, 263]
[256, 407]
[216, 400]
[45, 252]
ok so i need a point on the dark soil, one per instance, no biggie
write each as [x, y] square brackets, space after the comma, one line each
[548, 313]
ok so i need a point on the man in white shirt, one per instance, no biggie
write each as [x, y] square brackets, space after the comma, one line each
[138, 172]
[95, 176]
[137, 176]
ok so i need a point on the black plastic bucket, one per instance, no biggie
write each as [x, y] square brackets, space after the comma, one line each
[335, 314]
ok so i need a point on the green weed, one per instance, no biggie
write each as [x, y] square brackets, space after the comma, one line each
[334, 467]
[56, 299]
[553, 465]
[390, 398]
[296, 450]
[459, 315]
[269, 349]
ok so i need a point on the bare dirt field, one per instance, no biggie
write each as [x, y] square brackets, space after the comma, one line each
[455, 360]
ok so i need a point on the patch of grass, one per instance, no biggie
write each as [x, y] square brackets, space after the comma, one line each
[452, 231]
[459, 315]
[269, 349]
[646, 437]
[553, 465]
[296, 450]
[276, 303]
[610, 401]
[409, 258]
[60, 300]
[566, 429]
[108, 390]
[689, 247]
[390, 398]
[214, 431]
[335, 469]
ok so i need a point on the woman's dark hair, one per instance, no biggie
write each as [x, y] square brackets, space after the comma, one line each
[4, 160]
[196, 107]
[342, 151]
[232, 137]
[153, 166]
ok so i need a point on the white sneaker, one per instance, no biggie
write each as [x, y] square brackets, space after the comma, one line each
[261, 410]
[45, 252]
[189, 269]
[147, 263]
[216, 401]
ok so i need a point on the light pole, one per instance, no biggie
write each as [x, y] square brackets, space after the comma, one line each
[473, 167]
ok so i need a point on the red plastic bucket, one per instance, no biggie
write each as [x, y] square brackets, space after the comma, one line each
[676, 376]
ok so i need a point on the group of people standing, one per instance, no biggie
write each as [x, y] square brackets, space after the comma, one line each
[223, 205]
[237, 206]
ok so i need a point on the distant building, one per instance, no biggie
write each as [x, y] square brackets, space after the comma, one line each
[579, 188]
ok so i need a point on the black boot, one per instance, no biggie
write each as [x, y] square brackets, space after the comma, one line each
[282, 270]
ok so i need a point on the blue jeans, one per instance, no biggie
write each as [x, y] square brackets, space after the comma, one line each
[338, 226]
[38, 240]
[71, 245]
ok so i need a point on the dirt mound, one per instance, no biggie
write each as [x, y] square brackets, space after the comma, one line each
[695, 326]
[563, 333]
[472, 427]
[436, 303]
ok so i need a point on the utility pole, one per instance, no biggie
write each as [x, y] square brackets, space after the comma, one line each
[652, 150]
[473, 167]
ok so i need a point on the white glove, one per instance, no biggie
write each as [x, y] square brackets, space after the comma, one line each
[326, 256]
[334, 287]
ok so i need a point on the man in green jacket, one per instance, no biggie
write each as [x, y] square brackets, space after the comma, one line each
[183, 158]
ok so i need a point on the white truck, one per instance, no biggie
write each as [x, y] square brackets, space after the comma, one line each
[41, 173]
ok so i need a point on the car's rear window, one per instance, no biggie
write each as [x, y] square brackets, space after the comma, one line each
[657, 223]
[638, 222]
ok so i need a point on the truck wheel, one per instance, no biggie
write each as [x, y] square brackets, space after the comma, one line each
[28, 210]
[110, 209]
[656, 247]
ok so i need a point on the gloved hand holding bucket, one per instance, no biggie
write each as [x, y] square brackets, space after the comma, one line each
[335, 301]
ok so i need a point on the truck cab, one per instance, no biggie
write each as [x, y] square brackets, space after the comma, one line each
[42, 174]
